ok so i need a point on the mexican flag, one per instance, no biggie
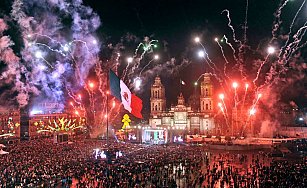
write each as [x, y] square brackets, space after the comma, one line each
[131, 102]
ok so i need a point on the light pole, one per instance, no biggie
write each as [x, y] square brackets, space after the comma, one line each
[107, 120]
[91, 91]
[139, 131]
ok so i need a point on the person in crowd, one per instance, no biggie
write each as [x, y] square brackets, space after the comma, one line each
[41, 163]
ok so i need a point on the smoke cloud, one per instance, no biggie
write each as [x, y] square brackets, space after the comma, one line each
[59, 50]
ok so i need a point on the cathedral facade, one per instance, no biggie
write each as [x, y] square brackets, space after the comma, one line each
[182, 119]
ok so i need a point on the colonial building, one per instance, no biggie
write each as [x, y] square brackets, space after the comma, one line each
[181, 119]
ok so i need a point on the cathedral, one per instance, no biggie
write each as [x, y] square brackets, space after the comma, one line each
[182, 119]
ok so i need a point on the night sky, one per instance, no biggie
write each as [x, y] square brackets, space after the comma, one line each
[177, 22]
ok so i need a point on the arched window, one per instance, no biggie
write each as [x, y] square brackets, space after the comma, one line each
[156, 94]
[207, 92]
[156, 107]
[207, 107]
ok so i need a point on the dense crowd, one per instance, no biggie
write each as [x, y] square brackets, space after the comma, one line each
[42, 163]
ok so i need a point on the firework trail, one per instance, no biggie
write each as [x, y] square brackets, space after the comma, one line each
[272, 67]
[244, 97]
[126, 69]
[104, 100]
[278, 68]
[245, 24]
[91, 93]
[241, 45]
[102, 76]
[226, 61]
[291, 48]
[231, 27]
[224, 115]
[277, 21]
[221, 96]
[302, 45]
[258, 97]
[251, 112]
[63, 50]
[235, 85]
[56, 56]
[207, 58]
[102, 80]
[232, 48]
[209, 62]
[36, 40]
[117, 62]
[76, 99]
[146, 66]
[238, 52]
[291, 26]
[147, 46]
[259, 69]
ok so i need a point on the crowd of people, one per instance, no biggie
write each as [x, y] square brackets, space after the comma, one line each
[42, 163]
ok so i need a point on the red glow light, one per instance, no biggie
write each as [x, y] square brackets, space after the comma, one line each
[259, 95]
[91, 84]
[235, 85]
[252, 111]
[221, 96]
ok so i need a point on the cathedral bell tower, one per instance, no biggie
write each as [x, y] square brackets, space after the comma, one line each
[180, 99]
[206, 101]
[157, 99]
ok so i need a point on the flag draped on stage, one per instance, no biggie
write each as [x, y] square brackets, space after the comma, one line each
[119, 89]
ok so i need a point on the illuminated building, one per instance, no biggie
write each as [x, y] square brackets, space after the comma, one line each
[45, 119]
[59, 123]
[42, 120]
[10, 124]
[180, 119]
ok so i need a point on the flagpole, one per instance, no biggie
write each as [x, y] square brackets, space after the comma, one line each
[107, 106]
[180, 86]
